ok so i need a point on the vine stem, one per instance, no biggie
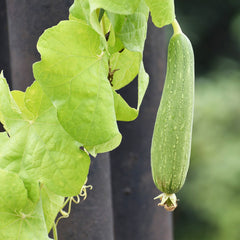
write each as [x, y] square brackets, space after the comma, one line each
[55, 236]
[176, 27]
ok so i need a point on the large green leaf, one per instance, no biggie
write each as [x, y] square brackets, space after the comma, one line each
[19, 218]
[162, 11]
[39, 149]
[131, 29]
[73, 72]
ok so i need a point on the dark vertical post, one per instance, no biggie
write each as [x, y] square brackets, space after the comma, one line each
[27, 20]
[93, 218]
[136, 215]
[4, 53]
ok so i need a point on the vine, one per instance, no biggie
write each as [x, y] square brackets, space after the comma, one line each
[71, 110]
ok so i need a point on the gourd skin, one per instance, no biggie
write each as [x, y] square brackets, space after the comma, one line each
[171, 143]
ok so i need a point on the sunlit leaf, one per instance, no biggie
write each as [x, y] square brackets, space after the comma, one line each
[49, 156]
[73, 72]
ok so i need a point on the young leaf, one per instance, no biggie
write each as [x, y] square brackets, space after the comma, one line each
[75, 78]
[123, 111]
[131, 29]
[17, 211]
[162, 11]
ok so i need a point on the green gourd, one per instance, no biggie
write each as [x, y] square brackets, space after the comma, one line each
[171, 143]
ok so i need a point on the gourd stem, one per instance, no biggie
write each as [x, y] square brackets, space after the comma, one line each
[176, 27]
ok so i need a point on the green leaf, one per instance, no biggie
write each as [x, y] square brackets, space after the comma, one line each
[12, 186]
[48, 156]
[51, 204]
[162, 11]
[18, 96]
[131, 29]
[123, 111]
[80, 10]
[76, 81]
[127, 63]
[12, 119]
[3, 139]
[19, 218]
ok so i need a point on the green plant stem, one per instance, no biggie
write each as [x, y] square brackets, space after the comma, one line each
[55, 236]
[176, 27]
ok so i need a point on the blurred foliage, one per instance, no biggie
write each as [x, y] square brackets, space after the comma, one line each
[209, 201]
[213, 27]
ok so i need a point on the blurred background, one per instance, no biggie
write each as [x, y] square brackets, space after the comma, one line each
[209, 201]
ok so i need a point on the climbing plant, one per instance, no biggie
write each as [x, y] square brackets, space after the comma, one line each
[71, 110]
